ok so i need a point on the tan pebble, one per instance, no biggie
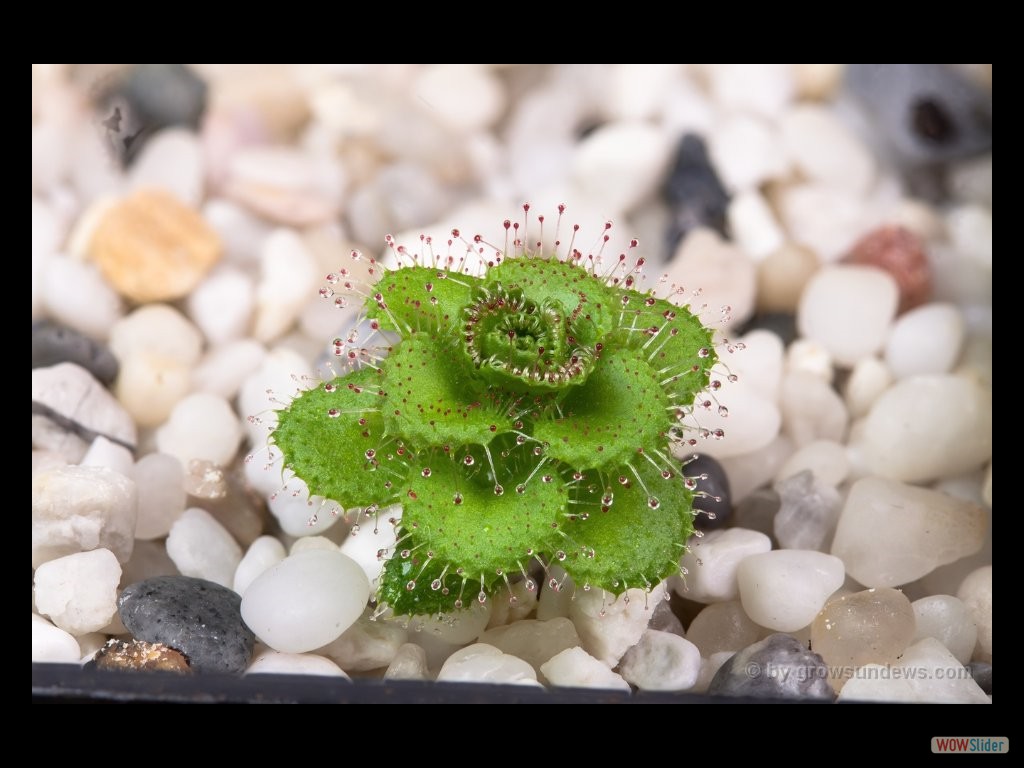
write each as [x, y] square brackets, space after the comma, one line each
[140, 656]
[781, 277]
[152, 247]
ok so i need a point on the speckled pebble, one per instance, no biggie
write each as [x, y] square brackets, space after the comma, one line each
[777, 667]
[197, 617]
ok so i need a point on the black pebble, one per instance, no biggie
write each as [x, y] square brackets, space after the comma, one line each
[777, 667]
[53, 344]
[716, 485]
[695, 195]
[201, 619]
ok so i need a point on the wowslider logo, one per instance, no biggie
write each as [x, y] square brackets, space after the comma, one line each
[973, 744]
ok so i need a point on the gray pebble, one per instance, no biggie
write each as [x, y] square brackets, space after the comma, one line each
[757, 512]
[808, 511]
[71, 397]
[201, 619]
[777, 667]
[53, 343]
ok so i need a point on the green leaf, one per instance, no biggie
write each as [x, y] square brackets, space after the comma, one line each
[621, 410]
[333, 438]
[433, 400]
[635, 540]
[420, 299]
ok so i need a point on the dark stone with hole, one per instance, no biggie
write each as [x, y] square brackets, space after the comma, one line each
[695, 194]
[199, 618]
[716, 486]
[52, 344]
[778, 667]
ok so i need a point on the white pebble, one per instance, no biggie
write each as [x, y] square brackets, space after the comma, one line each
[753, 225]
[264, 553]
[927, 673]
[222, 304]
[868, 380]
[811, 409]
[637, 91]
[287, 283]
[826, 459]
[306, 601]
[300, 514]
[225, 368]
[809, 356]
[77, 295]
[482, 663]
[73, 393]
[608, 625]
[575, 668]
[976, 594]
[554, 603]
[201, 547]
[948, 620]
[150, 385]
[891, 534]
[826, 219]
[513, 603]
[928, 427]
[464, 97]
[77, 509]
[751, 423]
[457, 627]
[104, 453]
[758, 366]
[726, 277]
[746, 152]
[709, 668]
[620, 164]
[533, 641]
[750, 471]
[723, 628]
[970, 229]
[202, 426]
[78, 592]
[410, 663]
[160, 480]
[661, 661]
[276, 374]
[785, 589]
[173, 160]
[271, 662]
[363, 545]
[285, 184]
[156, 329]
[762, 89]
[367, 644]
[241, 232]
[53, 645]
[848, 310]
[711, 563]
[824, 150]
[925, 340]
[312, 542]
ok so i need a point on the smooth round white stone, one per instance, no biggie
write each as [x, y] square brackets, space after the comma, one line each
[271, 662]
[824, 150]
[533, 641]
[77, 295]
[925, 340]
[751, 423]
[763, 89]
[848, 310]
[661, 661]
[575, 668]
[202, 426]
[723, 628]
[948, 620]
[300, 514]
[373, 537]
[758, 365]
[869, 378]
[410, 663]
[637, 91]
[753, 225]
[725, 276]
[608, 626]
[970, 229]
[482, 663]
[785, 589]
[306, 601]
[156, 329]
[77, 509]
[78, 592]
[367, 644]
[711, 563]
[160, 480]
[287, 283]
[826, 459]
[264, 553]
[928, 427]
[826, 219]
[149, 385]
[890, 533]
[620, 164]
[807, 356]
[278, 373]
[225, 368]
[312, 542]
[222, 304]
[811, 409]
[976, 594]
[104, 453]
[466, 98]
[746, 152]
[53, 645]
[457, 627]
[201, 547]
[241, 232]
[172, 160]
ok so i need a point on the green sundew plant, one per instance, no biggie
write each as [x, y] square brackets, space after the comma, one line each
[525, 409]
